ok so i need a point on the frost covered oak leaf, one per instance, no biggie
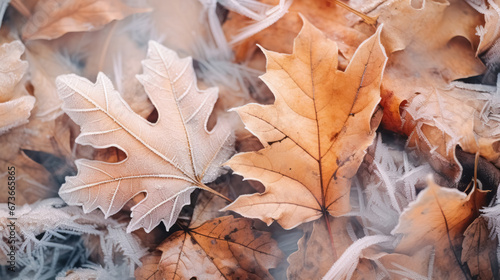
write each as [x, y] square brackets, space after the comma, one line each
[165, 160]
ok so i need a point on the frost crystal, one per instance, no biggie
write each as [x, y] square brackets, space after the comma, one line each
[52, 237]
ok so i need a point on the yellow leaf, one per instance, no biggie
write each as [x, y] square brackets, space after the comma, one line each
[315, 134]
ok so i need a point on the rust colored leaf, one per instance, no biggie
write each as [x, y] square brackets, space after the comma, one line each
[150, 269]
[165, 161]
[53, 18]
[314, 135]
[222, 248]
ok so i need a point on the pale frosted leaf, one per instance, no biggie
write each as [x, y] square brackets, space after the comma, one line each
[15, 112]
[166, 160]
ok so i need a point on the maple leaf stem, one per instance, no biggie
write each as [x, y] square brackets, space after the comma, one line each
[208, 189]
[330, 235]
[367, 19]
[476, 162]
[21, 8]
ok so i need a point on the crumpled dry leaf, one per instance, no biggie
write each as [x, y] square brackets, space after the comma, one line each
[439, 217]
[314, 257]
[316, 133]
[222, 248]
[53, 18]
[480, 250]
[15, 103]
[166, 160]
[33, 181]
[423, 47]
[464, 115]
[489, 32]
[401, 266]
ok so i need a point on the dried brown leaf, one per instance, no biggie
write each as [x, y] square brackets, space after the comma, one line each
[150, 269]
[480, 250]
[401, 266]
[424, 46]
[223, 248]
[489, 32]
[33, 180]
[462, 115]
[53, 18]
[315, 257]
[439, 217]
